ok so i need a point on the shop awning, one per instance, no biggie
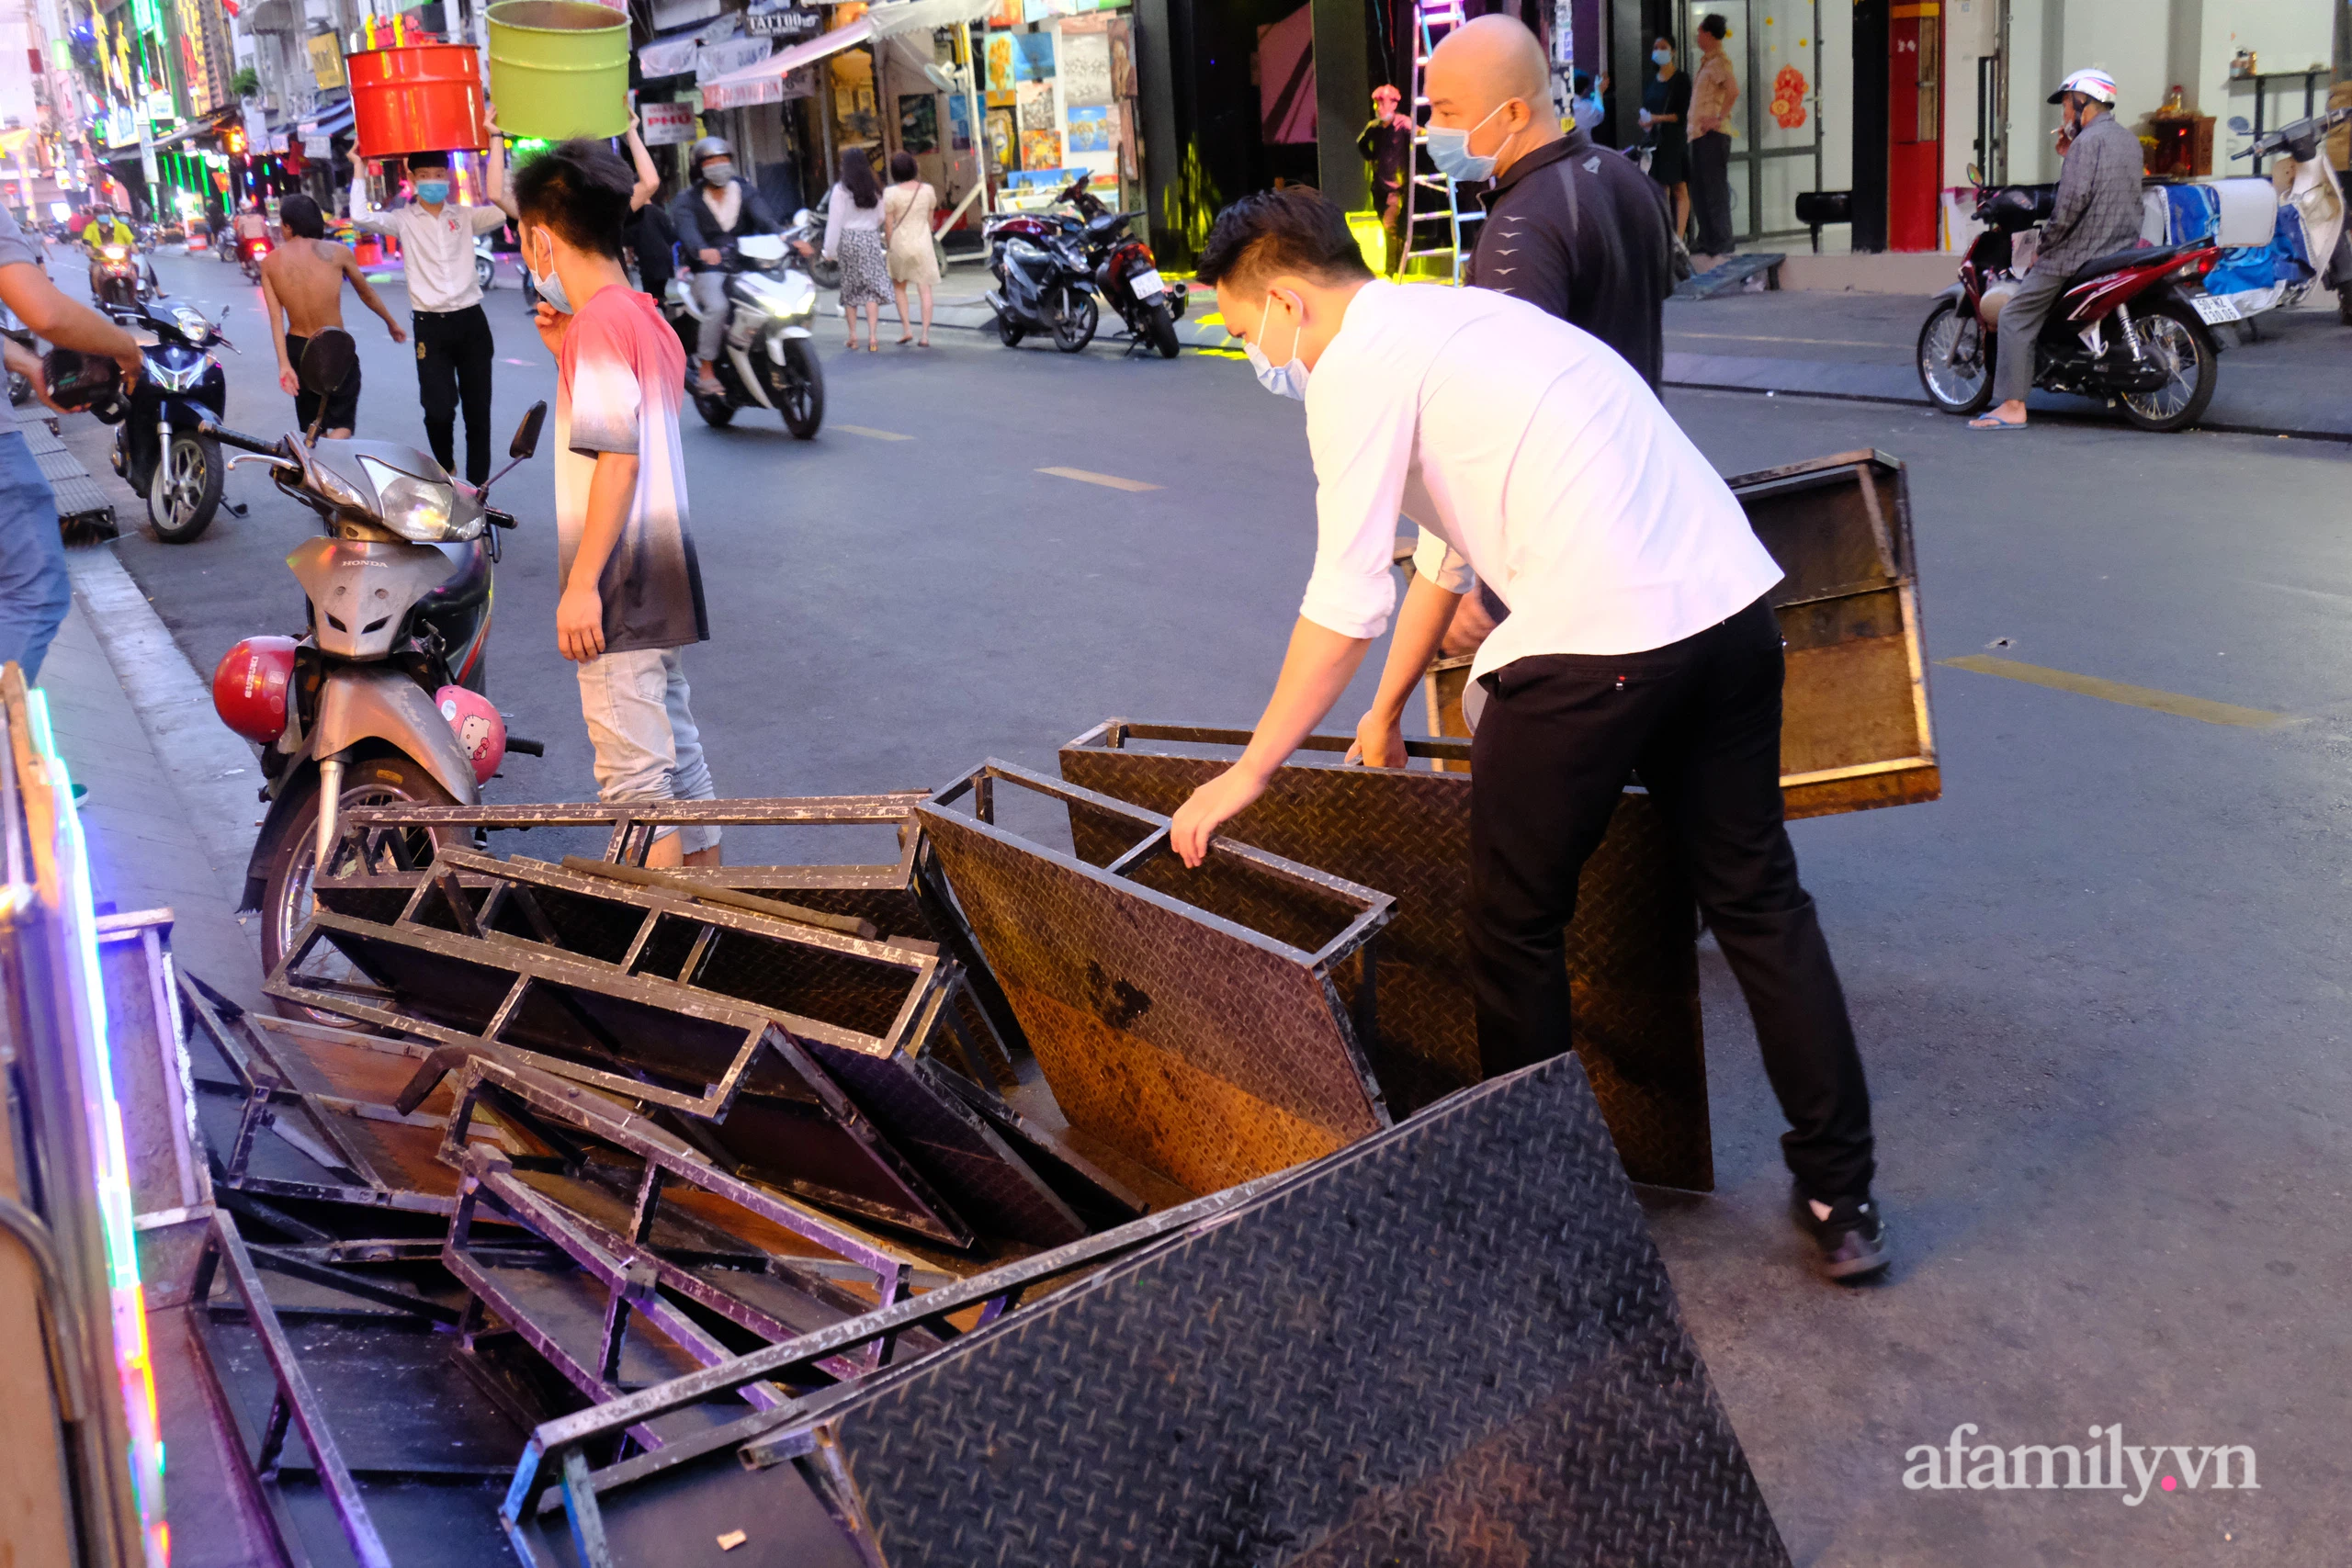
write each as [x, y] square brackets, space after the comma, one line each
[763, 83]
[333, 121]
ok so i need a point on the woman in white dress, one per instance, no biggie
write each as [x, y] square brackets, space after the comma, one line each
[854, 238]
[908, 211]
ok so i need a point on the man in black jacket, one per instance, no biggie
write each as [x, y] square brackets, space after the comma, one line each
[715, 209]
[1571, 227]
[1387, 144]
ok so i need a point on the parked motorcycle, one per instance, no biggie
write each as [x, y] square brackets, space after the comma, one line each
[802, 250]
[2131, 327]
[250, 252]
[485, 263]
[1043, 282]
[379, 702]
[2316, 196]
[768, 362]
[159, 446]
[1125, 273]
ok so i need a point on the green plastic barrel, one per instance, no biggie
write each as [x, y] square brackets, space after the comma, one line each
[559, 68]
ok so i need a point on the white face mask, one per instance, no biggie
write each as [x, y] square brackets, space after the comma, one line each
[1450, 150]
[1288, 379]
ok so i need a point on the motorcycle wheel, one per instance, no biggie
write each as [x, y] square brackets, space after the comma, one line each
[485, 271]
[799, 390]
[1006, 332]
[531, 295]
[20, 388]
[378, 777]
[824, 274]
[2172, 334]
[1160, 328]
[1075, 327]
[716, 413]
[1963, 388]
[185, 489]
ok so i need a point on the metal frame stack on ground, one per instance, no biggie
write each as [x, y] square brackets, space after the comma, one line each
[84, 511]
[1203, 1022]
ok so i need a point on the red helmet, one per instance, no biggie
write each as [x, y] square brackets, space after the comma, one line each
[481, 731]
[249, 687]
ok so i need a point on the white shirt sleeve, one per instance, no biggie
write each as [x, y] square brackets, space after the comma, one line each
[485, 218]
[1442, 563]
[834, 219]
[1362, 434]
[365, 218]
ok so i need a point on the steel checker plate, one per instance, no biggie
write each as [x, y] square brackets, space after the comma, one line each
[1633, 964]
[1454, 1344]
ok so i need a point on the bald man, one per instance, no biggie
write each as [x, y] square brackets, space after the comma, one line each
[1572, 228]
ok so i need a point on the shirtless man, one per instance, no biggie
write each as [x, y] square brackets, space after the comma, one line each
[303, 279]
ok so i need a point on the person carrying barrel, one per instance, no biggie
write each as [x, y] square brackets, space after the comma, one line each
[454, 346]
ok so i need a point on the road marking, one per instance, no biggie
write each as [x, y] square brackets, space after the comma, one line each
[871, 433]
[1111, 480]
[1823, 342]
[2119, 691]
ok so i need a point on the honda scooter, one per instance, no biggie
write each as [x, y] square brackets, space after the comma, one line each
[767, 362]
[1125, 273]
[379, 702]
[2131, 327]
[252, 251]
[159, 446]
[2311, 214]
[1043, 282]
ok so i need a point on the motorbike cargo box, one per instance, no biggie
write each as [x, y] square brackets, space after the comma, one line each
[2249, 213]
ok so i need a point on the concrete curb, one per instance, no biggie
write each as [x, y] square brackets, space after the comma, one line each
[213, 773]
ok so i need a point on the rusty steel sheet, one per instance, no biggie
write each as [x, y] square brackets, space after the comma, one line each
[744, 1086]
[878, 1016]
[1633, 961]
[894, 896]
[1202, 1022]
[1855, 728]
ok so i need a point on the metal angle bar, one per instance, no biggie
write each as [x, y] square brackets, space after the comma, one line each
[294, 1388]
[300, 1268]
[891, 807]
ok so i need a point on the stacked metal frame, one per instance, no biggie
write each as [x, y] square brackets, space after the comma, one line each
[87, 1461]
[1633, 963]
[1203, 1022]
[1279, 1395]
[803, 1054]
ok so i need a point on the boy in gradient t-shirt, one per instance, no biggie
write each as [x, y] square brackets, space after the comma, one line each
[632, 591]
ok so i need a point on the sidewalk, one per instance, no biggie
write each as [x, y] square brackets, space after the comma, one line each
[2290, 380]
[147, 850]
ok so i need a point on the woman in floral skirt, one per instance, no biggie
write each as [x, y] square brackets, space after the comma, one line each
[854, 238]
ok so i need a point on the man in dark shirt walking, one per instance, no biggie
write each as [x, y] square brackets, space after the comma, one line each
[1388, 145]
[1571, 227]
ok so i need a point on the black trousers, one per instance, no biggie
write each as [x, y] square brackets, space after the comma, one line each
[453, 359]
[1710, 192]
[1698, 721]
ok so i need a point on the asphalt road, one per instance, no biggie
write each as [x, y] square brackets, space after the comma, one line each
[2099, 985]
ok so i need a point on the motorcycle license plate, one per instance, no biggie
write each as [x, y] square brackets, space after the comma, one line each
[1148, 286]
[2213, 311]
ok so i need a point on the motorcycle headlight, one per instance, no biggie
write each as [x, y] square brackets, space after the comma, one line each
[794, 298]
[115, 252]
[416, 509]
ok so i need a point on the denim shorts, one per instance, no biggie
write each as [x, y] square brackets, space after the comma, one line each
[35, 592]
[647, 746]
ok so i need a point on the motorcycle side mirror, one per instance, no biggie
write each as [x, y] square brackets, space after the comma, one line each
[802, 218]
[327, 362]
[2239, 123]
[1975, 175]
[526, 435]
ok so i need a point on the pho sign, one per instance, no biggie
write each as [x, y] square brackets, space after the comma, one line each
[666, 125]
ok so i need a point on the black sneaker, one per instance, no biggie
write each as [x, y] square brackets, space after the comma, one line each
[1853, 1239]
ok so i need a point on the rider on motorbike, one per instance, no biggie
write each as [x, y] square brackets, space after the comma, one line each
[716, 210]
[2096, 211]
[105, 228]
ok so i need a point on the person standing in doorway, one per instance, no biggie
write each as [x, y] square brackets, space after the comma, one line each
[302, 282]
[1713, 93]
[907, 210]
[709, 215]
[854, 238]
[1388, 145]
[454, 346]
[1666, 108]
[632, 597]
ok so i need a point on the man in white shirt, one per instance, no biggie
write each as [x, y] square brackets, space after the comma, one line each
[1639, 641]
[454, 347]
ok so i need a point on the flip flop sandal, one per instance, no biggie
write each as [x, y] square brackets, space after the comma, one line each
[1989, 423]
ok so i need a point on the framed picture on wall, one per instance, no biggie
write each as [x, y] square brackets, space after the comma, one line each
[919, 122]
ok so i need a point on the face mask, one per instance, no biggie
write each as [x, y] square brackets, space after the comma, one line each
[1288, 379]
[433, 193]
[1663, 56]
[718, 176]
[551, 287]
[1450, 151]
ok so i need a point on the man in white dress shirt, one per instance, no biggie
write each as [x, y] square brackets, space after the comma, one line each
[454, 346]
[1639, 642]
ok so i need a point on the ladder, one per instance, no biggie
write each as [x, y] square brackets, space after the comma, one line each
[1434, 215]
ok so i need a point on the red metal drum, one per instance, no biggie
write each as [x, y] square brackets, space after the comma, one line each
[416, 98]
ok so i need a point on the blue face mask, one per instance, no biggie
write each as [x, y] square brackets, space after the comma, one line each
[433, 193]
[1288, 379]
[551, 287]
[1450, 151]
[1663, 56]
